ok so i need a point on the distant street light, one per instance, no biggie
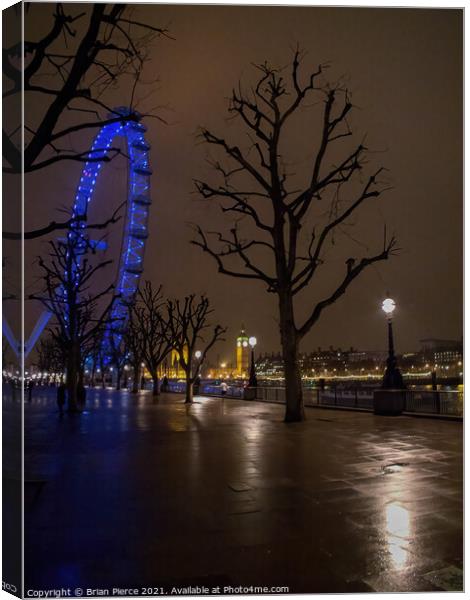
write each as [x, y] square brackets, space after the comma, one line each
[198, 355]
[252, 382]
[392, 378]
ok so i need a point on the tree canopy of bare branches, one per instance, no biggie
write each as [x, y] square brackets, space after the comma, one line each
[188, 322]
[134, 344]
[255, 187]
[49, 356]
[67, 73]
[153, 328]
[80, 311]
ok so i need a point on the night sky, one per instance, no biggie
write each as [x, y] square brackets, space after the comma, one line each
[404, 67]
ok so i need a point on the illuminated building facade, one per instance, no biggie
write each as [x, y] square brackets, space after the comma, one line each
[171, 366]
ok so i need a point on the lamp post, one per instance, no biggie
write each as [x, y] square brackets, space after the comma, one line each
[198, 355]
[252, 382]
[392, 378]
[197, 381]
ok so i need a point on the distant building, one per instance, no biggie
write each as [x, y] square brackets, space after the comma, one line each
[442, 353]
[433, 344]
[270, 365]
[171, 366]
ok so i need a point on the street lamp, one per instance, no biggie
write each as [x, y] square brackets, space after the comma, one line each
[392, 378]
[197, 381]
[252, 382]
[198, 355]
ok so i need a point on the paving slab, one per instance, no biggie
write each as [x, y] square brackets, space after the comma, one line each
[147, 492]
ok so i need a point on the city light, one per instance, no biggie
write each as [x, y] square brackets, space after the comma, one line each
[252, 341]
[198, 354]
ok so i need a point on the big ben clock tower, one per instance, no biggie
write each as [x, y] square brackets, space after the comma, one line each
[243, 353]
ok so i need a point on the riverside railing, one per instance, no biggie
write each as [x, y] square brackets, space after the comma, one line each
[442, 402]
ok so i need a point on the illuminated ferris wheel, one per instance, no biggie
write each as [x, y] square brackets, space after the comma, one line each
[135, 230]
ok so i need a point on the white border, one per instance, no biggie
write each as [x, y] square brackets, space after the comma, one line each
[332, 3]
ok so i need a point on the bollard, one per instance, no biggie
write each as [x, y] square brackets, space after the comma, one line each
[389, 402]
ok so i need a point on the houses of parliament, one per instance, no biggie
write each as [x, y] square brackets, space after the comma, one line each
[171, 366]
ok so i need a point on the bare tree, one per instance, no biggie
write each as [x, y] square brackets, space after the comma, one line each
[133, 342]
[154, 330]
[188, 321]
[67, 73]
[118, 356]
[79, 311]
[49, 355]
[256, 188]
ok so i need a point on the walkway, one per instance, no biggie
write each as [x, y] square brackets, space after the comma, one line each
[143, 493]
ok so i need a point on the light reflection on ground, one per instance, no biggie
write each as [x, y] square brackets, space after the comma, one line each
[224, 490]
[398, 531]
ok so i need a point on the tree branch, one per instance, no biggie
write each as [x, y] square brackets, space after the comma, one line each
[351, 274]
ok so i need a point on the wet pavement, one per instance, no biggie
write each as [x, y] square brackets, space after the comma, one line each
[223, 493]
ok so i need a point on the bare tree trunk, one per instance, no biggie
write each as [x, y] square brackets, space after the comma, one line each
[72, 380]
[290, 350]
[118, 379]
[92, 379]
[156, 389]
[189, 391]
[103, 374]
[72, 405]
[135, 381]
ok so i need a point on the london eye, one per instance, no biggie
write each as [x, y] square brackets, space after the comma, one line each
[135, 228]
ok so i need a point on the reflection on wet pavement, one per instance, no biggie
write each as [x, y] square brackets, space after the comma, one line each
[224, 492]
[398, 532]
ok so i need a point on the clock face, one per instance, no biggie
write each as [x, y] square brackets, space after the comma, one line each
[245, 344]
[239, 344]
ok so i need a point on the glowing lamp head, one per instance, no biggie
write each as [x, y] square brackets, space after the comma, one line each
[388, 306]
[252, 342]
[198, 354]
